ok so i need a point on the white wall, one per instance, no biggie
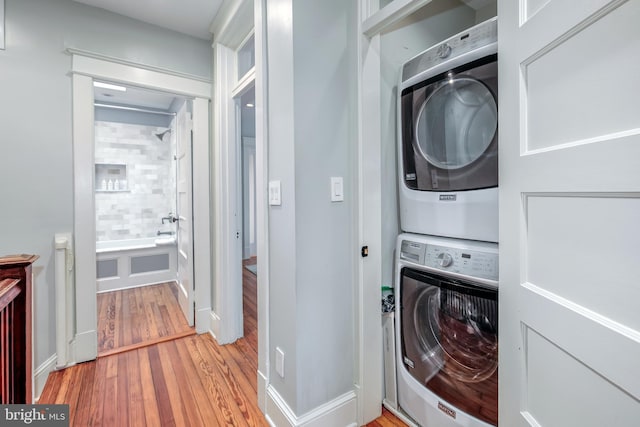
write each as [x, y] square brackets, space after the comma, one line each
[147, 181]
[35, 118]
[312, 137]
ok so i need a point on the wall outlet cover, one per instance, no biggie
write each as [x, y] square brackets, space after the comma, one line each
[280, 362]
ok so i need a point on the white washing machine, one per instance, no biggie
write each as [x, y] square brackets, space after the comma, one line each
[446, 294]
[448, 138]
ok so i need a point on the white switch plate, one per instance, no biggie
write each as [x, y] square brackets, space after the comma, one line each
[280, 362]
[274, 193]
[337, 189]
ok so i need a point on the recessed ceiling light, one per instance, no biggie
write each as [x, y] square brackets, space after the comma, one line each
[110, 86]
[250, 105]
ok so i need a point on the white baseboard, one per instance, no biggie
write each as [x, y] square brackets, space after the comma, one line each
[262, 391]
[85, 347]
[41, 374]
[214, 325]
[202, 320]
[341, 411]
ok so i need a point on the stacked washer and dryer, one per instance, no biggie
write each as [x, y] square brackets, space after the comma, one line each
[447, 257]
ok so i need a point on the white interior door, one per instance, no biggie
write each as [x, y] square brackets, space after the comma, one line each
[569, 208]
[184, 213]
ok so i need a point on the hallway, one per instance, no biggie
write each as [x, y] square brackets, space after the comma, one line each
[138, 317]
[188, 381]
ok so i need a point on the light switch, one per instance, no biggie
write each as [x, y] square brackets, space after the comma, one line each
[337, 189]
[274, 193]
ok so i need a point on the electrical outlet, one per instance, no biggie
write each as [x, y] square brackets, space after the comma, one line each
[280, 362]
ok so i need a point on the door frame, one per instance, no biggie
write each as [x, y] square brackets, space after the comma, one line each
[232, 25]
[85, 67]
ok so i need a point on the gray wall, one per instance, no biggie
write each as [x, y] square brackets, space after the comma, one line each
[312, 86]
[325, 96]
[35, 118]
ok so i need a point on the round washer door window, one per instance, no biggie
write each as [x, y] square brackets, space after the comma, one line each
[456, 123]
[456, 335]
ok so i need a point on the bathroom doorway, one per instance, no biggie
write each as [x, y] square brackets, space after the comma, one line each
[143, 213]
[85, 68]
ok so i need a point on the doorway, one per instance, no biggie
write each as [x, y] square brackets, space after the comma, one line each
[245, 110]
[142, 188]
[247, 141]
[87, 68]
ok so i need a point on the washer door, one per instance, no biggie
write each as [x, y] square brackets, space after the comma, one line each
[450, 341]
[450, 130]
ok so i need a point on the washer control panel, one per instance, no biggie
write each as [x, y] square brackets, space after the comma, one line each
[468, 262]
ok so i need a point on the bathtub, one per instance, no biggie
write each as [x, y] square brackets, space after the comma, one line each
[122, 264]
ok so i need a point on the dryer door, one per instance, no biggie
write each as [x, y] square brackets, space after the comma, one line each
[449, 130]
[450, 340]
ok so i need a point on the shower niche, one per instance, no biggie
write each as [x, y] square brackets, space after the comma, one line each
[111, 177]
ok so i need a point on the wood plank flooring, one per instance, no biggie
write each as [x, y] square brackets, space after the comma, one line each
[189, 381]
[387, 419]
[131, 318]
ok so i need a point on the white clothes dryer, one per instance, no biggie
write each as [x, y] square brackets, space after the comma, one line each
[446, 294]
[448, 138]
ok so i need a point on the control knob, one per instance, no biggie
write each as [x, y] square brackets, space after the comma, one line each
[444, 50]
[444, 259]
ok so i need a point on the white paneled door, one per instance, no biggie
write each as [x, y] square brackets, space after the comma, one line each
[569, 213]
[184, 213]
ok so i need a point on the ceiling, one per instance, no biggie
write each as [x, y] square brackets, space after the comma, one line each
[192, 17]
[134, 97]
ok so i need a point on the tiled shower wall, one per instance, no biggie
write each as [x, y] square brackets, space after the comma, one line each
[150, 194]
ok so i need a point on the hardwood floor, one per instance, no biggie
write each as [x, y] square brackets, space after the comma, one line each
[387, 419]
[189, 381]
[135, 317]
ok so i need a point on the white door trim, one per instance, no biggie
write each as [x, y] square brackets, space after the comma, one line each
[262, 213]
[227, 308]
[84, 70]
[233, 24]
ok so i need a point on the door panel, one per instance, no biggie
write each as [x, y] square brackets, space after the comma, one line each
[569, 203]
[184, 213]
[558, 109]
[550, 367]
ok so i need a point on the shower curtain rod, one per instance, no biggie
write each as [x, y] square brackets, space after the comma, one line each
[141, 110]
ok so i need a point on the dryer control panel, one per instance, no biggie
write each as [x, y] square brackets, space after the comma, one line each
[467, 41]
[463, 261]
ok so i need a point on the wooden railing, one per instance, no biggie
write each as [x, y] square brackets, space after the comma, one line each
[15, 329]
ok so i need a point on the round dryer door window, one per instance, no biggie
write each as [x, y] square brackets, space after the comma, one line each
[456, 123]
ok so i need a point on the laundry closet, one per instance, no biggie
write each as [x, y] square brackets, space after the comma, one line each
[437, 241]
